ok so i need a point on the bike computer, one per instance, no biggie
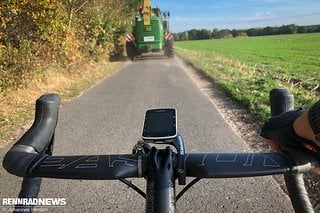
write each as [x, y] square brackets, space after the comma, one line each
[160, 125]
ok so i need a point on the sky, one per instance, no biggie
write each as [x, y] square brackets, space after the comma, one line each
[238, 14]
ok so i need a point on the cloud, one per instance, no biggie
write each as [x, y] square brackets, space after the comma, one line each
[257, 19]
[236, 14]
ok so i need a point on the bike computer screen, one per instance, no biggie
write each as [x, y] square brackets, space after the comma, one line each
[160, 124]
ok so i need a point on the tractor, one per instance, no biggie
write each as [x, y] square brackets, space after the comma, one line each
[150, 32]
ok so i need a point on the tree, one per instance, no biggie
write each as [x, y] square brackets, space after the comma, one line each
[192, 34]
[225, 33]
[268, 31]
[242, 33]
[235, 33]
[203, 34]
[288, 29]
[302, 29]
[214, 33]
[255, 31]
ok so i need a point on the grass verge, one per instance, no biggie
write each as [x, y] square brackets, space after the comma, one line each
[243, 72]
[17, 106]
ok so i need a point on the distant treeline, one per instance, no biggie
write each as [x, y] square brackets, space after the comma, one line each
[196, 34]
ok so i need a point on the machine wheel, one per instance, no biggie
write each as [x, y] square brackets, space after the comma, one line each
[131, 50]
[169, 48]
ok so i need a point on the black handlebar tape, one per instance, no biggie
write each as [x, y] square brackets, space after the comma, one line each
[37, 139]
[42, 130]
[300, 201]
[281, 100]
[30, 189]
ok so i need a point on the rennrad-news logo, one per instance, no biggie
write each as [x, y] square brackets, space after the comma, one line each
[34, 201]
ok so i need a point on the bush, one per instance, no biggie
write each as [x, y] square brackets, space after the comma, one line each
[34, 34]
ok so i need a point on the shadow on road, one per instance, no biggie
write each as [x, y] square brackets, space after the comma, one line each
[151, 56]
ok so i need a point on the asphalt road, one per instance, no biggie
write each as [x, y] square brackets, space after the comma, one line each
[108, 119]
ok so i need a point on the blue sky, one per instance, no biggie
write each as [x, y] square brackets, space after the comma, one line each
[238, 14]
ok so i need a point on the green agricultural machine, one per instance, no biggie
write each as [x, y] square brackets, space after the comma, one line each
[150, 33]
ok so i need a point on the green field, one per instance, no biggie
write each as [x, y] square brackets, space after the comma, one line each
[249, 67]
